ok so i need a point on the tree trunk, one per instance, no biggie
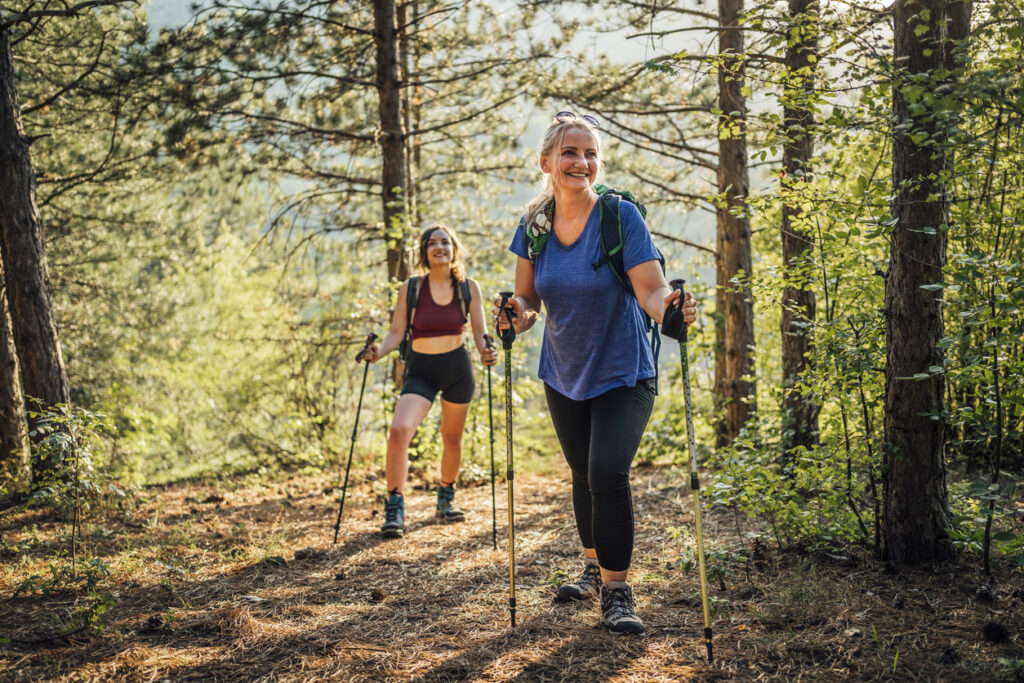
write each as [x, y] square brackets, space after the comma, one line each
[24, 255]
[734, 392]
[14, 448]
[799, 411]
[916, 509]
[392, 139]
[393, 151]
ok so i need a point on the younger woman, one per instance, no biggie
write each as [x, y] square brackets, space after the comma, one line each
[595, 360]
[437, 362]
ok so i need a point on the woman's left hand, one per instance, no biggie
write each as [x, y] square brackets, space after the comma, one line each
[489, 356]
[689, 305]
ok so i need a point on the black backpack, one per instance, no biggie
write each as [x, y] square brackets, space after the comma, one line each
[412, 297]
[609, 211]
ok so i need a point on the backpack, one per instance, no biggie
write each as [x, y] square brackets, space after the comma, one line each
[412, 297]
[609, 204]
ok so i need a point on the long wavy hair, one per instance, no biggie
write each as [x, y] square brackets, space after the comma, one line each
[458, 266]
[552, 140]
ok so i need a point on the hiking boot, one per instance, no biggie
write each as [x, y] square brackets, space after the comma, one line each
[585, 588]
[446, 509]
[394, 517]
[617, 613]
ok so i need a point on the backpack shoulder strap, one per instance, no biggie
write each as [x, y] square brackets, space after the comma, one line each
[465, 295]
[609, 206]
[412, 297]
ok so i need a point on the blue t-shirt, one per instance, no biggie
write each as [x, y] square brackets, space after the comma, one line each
[594, 334]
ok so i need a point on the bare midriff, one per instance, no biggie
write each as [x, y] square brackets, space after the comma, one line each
[435, 345]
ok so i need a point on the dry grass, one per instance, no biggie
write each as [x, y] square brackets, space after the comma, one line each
[201, 595]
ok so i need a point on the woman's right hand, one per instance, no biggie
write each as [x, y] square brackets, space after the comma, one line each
[369, 354]
[515, 306]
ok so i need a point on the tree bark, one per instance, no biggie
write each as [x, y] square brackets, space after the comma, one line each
[915, 504]
[14, 444]
[392, 139]
[734, 391]
[24, 255]
[799, 411]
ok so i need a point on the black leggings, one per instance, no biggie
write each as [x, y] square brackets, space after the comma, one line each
[599, 437]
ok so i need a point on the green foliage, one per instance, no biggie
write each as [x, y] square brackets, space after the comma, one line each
[977, 506]
[69, 454]
[65, 576]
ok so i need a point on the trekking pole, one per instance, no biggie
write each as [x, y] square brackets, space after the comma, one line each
[694, 478]
[508, 336]
[489, 343]
[341, 506]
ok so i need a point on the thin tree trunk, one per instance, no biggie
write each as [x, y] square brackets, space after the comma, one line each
[24, 255]
[14, 445]
[408, 53]
[914, 469]
[734, 337]
[799, 411]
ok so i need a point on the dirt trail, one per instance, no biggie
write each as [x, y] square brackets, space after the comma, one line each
[219, 585]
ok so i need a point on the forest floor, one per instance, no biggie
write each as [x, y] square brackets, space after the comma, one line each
[239, 580]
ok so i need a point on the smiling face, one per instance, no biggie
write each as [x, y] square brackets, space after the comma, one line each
[574, 162]
[438, 248]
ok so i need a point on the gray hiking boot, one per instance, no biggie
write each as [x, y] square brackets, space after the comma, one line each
[584, 588]
[446, 509]
[617, 613]
[394, 517]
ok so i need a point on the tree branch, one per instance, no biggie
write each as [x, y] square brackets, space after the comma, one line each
[16, 19]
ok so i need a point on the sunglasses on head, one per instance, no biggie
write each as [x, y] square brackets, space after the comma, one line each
[567, 116]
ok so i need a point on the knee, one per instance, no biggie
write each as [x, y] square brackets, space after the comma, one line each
[452, 440]
[607, 480]
[401, 434]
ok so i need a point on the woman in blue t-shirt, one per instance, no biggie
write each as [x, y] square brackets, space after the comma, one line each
[595, 360]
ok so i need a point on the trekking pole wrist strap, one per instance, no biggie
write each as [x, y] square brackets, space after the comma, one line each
[673, 325]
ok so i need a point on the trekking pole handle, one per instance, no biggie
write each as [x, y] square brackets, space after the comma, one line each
[488, 341]
[370, 338]
[507, 336]
[678, 283]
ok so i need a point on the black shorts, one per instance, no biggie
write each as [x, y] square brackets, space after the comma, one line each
[450, 373]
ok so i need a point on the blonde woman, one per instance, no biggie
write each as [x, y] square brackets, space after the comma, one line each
[438, 362]
[596, 364]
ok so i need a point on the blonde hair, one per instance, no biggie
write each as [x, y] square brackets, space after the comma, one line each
[552, 140]
[458, 266]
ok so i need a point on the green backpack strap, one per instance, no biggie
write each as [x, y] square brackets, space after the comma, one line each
[608, 210]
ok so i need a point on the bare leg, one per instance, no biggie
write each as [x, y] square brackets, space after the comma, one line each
[409, 413]
[453, 420]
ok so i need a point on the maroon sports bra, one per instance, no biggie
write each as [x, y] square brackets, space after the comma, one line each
[431, 320]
